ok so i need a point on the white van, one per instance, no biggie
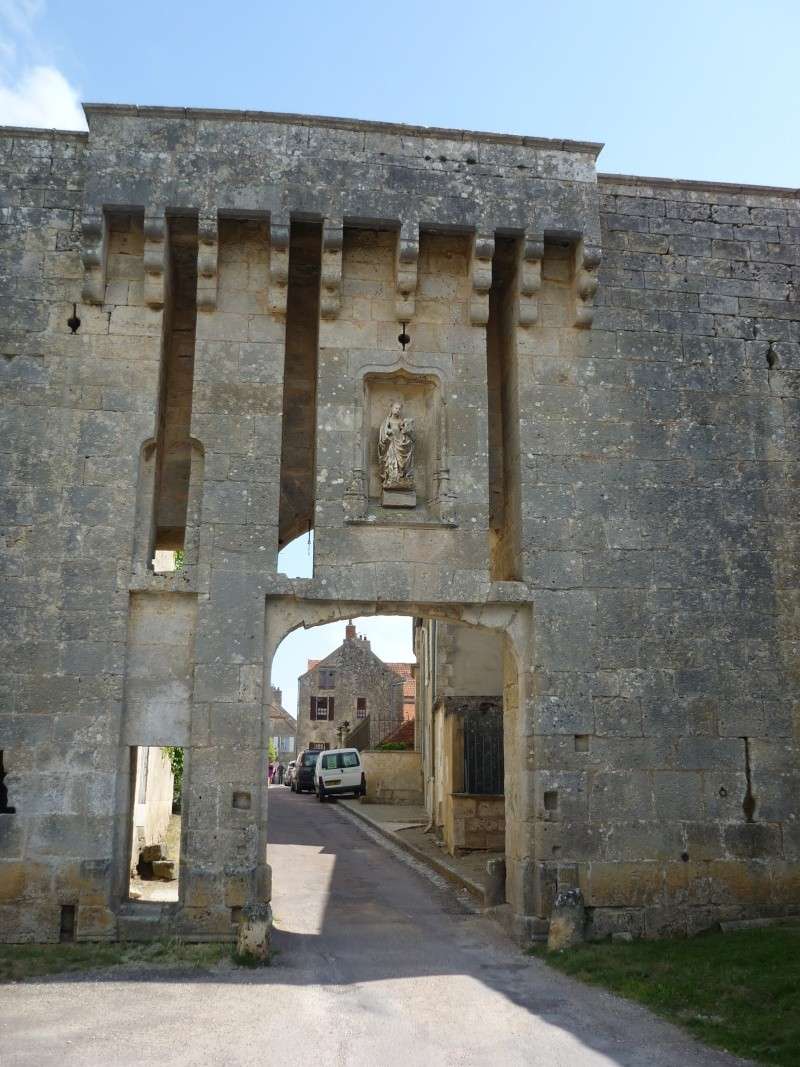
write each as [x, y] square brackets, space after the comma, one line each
[338, 772]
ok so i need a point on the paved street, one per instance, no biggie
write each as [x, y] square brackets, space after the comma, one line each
[378, 965]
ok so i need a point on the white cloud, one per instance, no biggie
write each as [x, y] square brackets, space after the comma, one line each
[41, 96]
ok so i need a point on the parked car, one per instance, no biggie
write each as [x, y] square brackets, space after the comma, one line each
[303, 777]
[290, 766]
[339, 772]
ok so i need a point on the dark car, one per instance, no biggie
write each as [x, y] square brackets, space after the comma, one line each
[303, 778]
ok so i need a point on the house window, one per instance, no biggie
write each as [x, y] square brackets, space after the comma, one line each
[317, 746]
[361, 707]
[322, 709]
[327, 678]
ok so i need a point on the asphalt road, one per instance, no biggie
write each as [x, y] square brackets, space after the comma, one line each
[378, 964]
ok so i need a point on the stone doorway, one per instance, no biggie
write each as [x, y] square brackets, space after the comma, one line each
[507, 630]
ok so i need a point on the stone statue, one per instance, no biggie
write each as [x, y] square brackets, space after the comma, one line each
[396, 450]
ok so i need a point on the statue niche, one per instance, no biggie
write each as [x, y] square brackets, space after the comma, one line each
[396, 443]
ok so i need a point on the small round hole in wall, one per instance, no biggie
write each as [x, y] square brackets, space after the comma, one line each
[685, 857]
[723, 792]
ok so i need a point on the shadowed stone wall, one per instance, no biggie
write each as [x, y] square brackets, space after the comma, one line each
[643, 376]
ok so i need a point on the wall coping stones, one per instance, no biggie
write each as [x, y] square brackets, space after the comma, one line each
[679, 184]
[34, 133]
[592, 148]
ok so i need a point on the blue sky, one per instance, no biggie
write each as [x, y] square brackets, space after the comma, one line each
[389, 635]
[706, 89]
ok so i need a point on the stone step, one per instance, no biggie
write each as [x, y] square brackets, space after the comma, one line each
[141, 921]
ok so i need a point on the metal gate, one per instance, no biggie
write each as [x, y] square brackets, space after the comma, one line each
[483, 750]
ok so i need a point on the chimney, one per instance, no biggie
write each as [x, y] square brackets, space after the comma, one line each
[350, 632]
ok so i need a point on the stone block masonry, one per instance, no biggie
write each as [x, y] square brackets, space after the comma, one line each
[619, 355]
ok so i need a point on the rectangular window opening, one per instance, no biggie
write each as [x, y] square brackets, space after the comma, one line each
[5, 807]
[66, 931]
[296, 509]
[173, 444]
[502, 372]
[361, 707]
[156, 787]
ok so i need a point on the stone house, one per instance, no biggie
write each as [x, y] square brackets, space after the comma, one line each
[459, 733]
[505, 390]
[351, 685]
[283, 728]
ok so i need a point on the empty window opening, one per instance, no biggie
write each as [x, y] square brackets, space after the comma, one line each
[173, 445]
[503, 411]
[66, 930]
[361, 708]
[551, 800]
[165, 561]
[5, 807]
[296, 560]
[157, 780]
[296, 511]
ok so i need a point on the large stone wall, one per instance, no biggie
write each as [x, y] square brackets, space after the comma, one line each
[638, 556]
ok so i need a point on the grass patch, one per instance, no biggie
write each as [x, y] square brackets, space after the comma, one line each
[18, 962]
[737, 991]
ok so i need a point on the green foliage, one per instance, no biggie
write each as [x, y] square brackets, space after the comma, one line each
[180, 559]
[273, 752]
[394, 746]
[738, 991]
[175, 757]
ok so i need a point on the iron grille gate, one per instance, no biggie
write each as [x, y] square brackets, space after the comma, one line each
[483, 750]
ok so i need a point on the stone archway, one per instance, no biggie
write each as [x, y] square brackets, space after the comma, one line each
[515, 623]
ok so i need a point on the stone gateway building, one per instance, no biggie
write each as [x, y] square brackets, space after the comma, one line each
[350, 688]
[503, 389]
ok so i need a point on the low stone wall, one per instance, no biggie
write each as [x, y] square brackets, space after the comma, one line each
[474, 821]
[393, 777]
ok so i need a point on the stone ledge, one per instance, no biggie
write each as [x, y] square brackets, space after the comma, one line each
[692, 184]
[288, 118]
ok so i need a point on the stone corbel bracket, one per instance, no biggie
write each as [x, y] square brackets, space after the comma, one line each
[587, 259]
[94, 252]
[481, 275]
[331, 281]
[278, 267]
[207, 262]
[530, 278]
[155, 258]
[406, 264]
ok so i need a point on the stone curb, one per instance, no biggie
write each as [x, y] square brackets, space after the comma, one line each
[442, 869]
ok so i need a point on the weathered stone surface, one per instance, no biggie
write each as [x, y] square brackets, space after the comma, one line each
[623, 515]
[567, 921]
